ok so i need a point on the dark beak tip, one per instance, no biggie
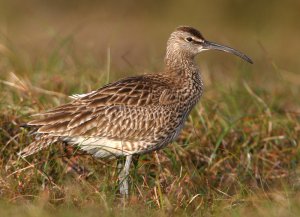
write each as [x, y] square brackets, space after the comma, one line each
[250, 61]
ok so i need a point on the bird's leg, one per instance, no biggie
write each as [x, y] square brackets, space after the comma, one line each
[123, 176]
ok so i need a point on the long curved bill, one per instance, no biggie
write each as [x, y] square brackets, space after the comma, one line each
[214, 46]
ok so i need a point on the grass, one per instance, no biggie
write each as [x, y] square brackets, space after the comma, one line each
[238, 154]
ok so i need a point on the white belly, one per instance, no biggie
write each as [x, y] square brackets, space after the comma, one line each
[103, 147]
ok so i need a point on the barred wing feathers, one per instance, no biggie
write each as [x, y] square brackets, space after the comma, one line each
[129, 110]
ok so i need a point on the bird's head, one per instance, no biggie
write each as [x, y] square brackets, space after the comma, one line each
[190, 42]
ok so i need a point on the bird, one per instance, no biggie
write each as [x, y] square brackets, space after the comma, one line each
[135, 115]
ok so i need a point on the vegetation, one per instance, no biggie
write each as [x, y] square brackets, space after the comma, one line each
[238, 154]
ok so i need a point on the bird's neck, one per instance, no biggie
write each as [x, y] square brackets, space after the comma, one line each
[183, 68]
[180, 64]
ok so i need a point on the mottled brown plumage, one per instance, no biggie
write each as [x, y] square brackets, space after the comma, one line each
[135, 115]
[142, 112]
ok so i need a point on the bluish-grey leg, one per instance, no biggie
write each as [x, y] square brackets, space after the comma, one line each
[123, 176]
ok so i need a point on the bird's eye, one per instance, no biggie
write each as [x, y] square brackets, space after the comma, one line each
[189, 39]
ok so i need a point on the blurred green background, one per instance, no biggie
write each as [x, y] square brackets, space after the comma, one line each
[136, 31]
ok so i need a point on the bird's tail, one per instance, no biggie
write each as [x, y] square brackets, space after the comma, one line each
[37, 145]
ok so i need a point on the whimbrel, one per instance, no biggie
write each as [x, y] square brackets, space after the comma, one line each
[135, 115]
